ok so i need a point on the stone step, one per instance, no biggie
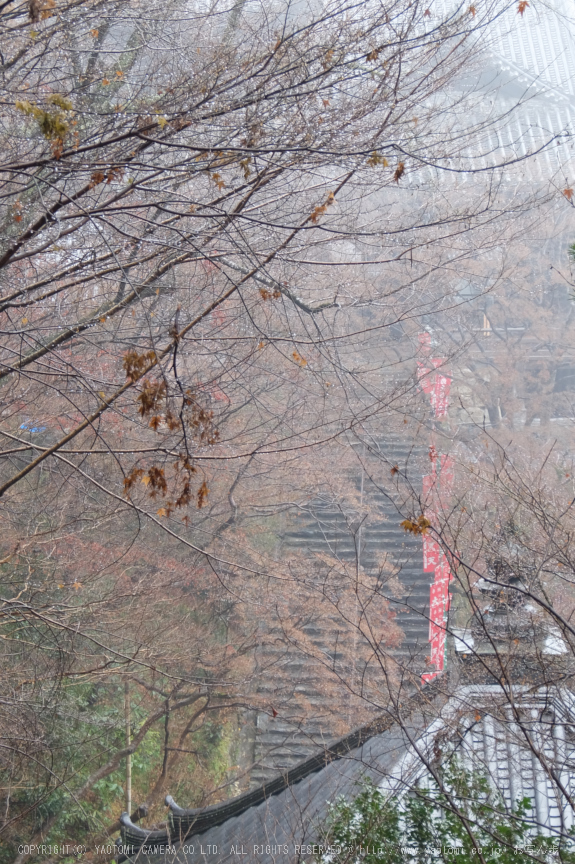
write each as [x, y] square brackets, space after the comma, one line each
[327, 530]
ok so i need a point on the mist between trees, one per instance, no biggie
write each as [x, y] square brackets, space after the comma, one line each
[225, 227]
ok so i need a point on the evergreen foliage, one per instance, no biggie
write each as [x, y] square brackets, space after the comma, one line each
[454, 816]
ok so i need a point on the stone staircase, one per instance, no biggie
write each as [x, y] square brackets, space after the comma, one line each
[282, 741]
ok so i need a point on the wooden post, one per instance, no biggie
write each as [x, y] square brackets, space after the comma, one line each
[127, 719]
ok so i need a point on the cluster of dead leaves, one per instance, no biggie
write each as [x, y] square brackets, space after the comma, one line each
[327, 61]
[270, 295]
[521, 7]
[377, 159]
[419, 526]
[157, 485]
[399, 171]
[321, 208]
[199, 419]
[109, 175]
[245, 166]
[106, 81]
[151, 397]
[135, 365]
[217, 179]
[39, 10]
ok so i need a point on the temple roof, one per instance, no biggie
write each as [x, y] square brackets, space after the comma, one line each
[522, 741]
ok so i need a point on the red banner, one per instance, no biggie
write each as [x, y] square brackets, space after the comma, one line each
[440, 396]
[437, 655]
[443, 574]
[426, 379]
[431, 554]
[436, 491]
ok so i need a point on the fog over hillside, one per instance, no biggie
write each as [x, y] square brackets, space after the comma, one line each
[287, 386]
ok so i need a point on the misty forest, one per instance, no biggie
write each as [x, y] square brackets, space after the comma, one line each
[287, 431]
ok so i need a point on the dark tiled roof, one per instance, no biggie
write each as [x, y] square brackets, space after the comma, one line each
[283, 828]
[271, 823]
[273, 830]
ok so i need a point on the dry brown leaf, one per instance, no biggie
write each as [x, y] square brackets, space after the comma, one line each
[419, 526]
